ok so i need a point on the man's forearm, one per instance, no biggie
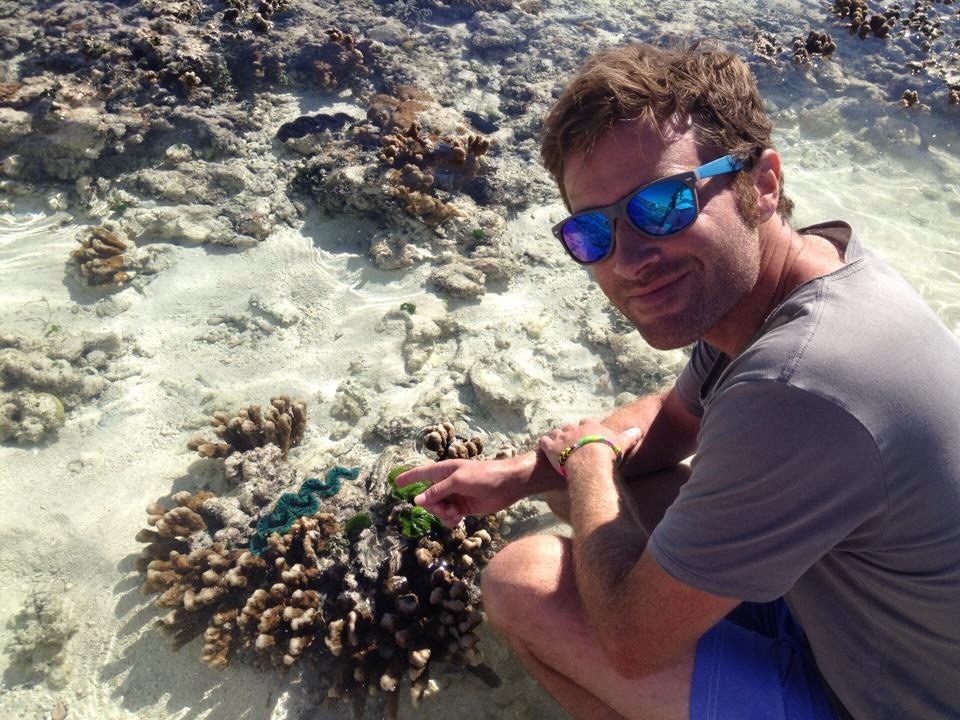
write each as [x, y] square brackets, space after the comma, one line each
[669, 435]
[606, 543]
[534, 473]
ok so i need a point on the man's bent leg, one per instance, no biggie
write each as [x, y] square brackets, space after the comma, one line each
[530, 596]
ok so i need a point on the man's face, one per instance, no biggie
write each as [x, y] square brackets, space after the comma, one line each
[673, 289]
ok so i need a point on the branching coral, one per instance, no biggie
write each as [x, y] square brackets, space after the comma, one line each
[372, 601]
[422, 162]
[281, 423]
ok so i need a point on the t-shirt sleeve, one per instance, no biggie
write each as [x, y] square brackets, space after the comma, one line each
[781, 477]
[694, 374]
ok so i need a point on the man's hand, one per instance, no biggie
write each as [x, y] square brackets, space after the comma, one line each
[468, 487]
[554, 442]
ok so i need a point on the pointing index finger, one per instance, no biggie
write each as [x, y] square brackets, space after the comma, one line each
[423, 473]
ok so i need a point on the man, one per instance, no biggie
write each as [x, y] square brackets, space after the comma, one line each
[807, 564]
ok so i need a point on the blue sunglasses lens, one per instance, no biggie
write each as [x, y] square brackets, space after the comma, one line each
[663, 208]
[588, 236]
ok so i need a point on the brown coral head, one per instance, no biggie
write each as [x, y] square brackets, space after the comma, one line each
[101, 258]
[282, 423]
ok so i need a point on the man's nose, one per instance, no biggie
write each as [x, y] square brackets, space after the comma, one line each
[632, 252]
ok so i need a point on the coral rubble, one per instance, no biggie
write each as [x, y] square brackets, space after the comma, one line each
[358, 580]
[281, 423]
[27, 416]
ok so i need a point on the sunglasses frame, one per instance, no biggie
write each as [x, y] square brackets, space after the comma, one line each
[617, 210]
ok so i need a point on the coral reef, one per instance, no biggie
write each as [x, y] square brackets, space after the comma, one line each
[373, 589]
[420, 162]
[444, 441]
[816, 43]
[342, 60]
[101, 257]
[39, 635]
[282, 424]
[39, 382]
[918, 39]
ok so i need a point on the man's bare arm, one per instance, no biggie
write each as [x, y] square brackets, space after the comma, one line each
[644, 619]
[669, 432]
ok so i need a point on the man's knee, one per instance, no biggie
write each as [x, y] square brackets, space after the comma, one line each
[520, 576]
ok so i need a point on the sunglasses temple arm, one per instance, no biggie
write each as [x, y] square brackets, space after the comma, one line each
[726, 164]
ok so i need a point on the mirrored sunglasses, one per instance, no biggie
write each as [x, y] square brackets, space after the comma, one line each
[662, 207]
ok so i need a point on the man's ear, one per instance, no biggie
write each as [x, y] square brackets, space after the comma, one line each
[766, 180]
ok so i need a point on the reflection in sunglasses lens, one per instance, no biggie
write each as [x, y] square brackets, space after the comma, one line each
[587, 236]
[663, 208]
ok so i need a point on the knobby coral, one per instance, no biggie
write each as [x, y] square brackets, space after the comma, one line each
[373, 592]
[342, 60]
[444, 441]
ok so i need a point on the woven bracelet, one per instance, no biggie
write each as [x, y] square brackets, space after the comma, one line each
[586, 440]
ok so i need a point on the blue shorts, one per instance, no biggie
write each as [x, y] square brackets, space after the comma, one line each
[757, 665]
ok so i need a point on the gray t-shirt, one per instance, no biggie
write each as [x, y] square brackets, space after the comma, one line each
[827, 471]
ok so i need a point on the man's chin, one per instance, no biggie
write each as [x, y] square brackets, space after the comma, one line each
[667, 338]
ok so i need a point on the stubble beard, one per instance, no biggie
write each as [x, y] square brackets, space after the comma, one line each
[711, 298]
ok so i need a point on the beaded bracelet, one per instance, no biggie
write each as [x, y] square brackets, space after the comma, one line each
[585, 440]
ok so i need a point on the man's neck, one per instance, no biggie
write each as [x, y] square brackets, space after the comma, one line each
[788, 260]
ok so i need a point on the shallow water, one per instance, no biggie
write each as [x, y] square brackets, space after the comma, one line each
[194, 342]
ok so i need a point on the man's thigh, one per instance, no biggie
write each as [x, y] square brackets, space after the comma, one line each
[530, 595]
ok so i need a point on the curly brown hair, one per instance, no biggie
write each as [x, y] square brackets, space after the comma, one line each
[711, 86]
